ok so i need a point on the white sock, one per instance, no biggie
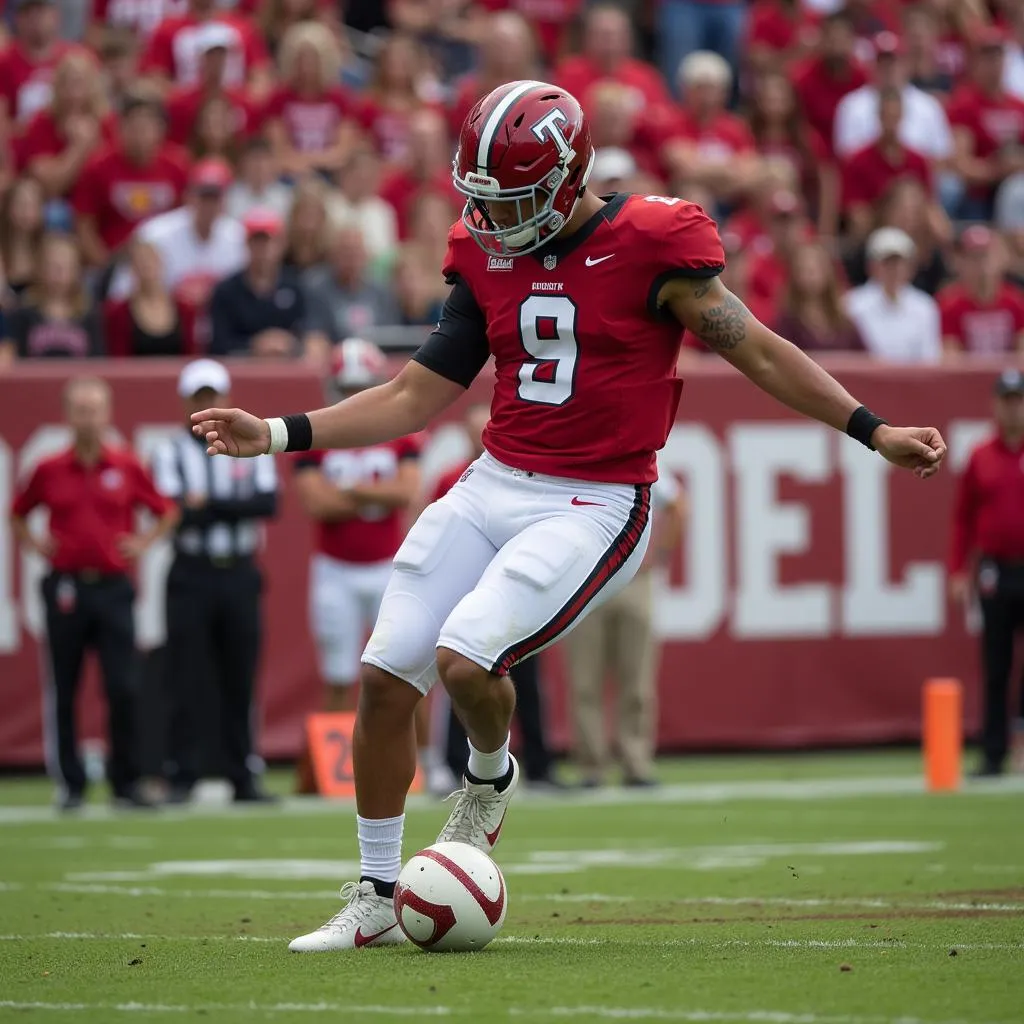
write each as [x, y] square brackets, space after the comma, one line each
[380, 847]
[488, 766]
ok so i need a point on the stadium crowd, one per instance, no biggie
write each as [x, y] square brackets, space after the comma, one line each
[268, 177]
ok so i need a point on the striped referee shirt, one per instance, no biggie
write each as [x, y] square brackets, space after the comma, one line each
[238, 493]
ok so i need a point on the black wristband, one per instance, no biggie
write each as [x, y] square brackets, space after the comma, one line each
[300, 432]
[863, 423]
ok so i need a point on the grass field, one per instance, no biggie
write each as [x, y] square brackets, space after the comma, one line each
[785, 890]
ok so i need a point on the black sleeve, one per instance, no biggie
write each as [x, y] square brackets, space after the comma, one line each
[457, 348]
[93, 324]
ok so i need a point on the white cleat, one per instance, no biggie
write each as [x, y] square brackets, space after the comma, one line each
[479, 813]
[366, 920]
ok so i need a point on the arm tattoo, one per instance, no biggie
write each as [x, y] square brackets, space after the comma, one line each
[724, 326]
[702, 286]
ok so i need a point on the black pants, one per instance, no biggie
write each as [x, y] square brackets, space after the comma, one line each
[530, 714]
[213, 642]
[1001, 586]
[83, 612]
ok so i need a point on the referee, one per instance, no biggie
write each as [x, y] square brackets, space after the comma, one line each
[988, 545]
[91, 491]
[213, 592]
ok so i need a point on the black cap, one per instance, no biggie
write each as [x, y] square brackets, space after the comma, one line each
[1010, 382]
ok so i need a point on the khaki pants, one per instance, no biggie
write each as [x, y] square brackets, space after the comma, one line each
[618, 638]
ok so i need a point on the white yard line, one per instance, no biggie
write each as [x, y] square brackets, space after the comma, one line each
[774, 901]
[693, 1016]
[675, 793]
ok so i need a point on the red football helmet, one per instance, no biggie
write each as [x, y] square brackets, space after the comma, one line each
[526, 144]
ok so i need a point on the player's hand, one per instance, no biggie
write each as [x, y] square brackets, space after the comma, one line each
[233, 432]
[45, 547]
[195, 500]
[959, 588]
[130, 546]
[918, 448]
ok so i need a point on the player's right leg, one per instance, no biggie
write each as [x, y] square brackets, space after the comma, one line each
[439, 562]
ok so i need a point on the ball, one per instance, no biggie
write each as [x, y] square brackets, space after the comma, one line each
[450, 897]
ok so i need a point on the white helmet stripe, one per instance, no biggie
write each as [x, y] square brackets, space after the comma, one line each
[493, 122]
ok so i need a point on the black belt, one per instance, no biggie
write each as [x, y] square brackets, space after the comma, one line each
[89, 576]
[213, 561]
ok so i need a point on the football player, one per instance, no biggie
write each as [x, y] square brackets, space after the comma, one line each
[581, 300]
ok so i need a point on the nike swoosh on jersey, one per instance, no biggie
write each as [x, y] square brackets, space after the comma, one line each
[577, 501]
[364, 940]
[591, 262]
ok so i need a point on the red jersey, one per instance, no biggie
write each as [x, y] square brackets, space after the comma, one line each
[312, 124]
[990, 328]
[375, 534]
[43, 137]
[184, 106]
[119, 195]
[91, 507]
[992, 121]
[548, 18]
[725, 135]
[868, 173]
[173, 49]
[388, 129]
[401, 190]
[987, 518]
[779, 28]
[141, 16]
[26, 86]
[585, 384]
[579, 74]
[819, 91]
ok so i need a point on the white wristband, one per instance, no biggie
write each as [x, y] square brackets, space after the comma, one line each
[278, 435]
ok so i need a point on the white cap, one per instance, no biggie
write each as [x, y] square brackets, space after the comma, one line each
[214, 34]
[887, 242]
[611, 162]
[203, 373]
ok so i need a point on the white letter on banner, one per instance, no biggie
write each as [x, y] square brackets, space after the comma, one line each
[695, 610]
[871, 605]
[766, 529]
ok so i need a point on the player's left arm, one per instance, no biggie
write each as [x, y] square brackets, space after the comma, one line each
[398, 492]
[708, 309]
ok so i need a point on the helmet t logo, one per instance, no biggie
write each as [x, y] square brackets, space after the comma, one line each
[548, 126]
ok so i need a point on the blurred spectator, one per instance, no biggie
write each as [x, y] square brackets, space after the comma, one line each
[426, 167]
[616, 122]
[392, 97]
[150, 321]
[119, 58]
[751, 223]
[447, 30]
[133, 180]
[987, 557]
[276, 17]
[899, 323]
[551, 21]
[1013, 69]
[826, 78]
[615, 170]
[308, 229]
[507, 53]
[711, 147]
[812, 315]
[908, 207]
[311, 119]
[217, 132]
[788, 228]
[780, 132]
[56, 316]
[92, 491]
[982, 314]
[868, 173]
[141, 17]
[343, 301]
[213, 593]
[173, 54]
[21, 231]
[198, 243]
[28, 62]
[921, 45]
[432, 216]
[58, 140]
[261, 310]
[779, 32]
[607, 53]
[869, 18]
[685, 27]
[988, 128]
[359, 202]
[619, 636]
[186, 104]
[1009, 219]
[923, 127]
[416, 292]
[257, 184]
[357, 499]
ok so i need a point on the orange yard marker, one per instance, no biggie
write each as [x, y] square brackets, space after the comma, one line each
[943, 733]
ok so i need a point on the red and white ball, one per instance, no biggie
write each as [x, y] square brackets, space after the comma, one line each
[450, 897]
